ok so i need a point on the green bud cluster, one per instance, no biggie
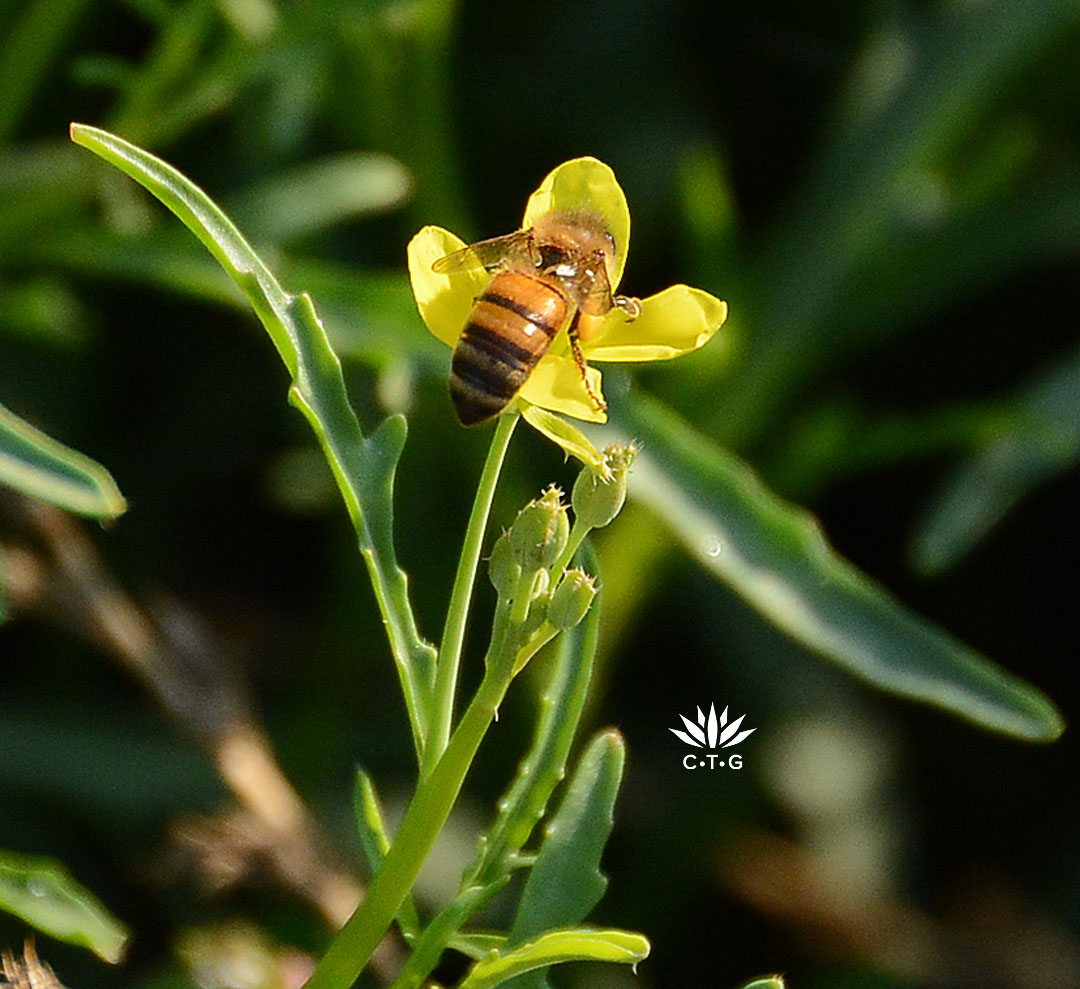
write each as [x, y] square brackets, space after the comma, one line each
[527, 562]
[540, 532]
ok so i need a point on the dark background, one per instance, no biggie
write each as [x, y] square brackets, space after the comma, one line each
[866, 841]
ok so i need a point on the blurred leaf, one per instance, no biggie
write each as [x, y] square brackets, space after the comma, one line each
[554, 947]
[40, 467]
[775, 556]
[766, 982]
[928, 80]
[565, 883]
[317, 194]
[28, 49]
[43, 309]
[42, 893]
[363, 467]
[1036, 441]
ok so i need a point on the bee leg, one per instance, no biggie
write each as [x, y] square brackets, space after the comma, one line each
[579, 359]
[629, 305]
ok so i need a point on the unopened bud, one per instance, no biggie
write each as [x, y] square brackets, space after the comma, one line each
[571, 600]
[538, 611]
[503, 570]
[540, 532]
[597, 498]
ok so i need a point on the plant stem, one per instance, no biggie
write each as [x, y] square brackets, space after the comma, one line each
[446, 672]
[428, 810]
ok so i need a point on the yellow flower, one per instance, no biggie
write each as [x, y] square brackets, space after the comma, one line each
[675, 321]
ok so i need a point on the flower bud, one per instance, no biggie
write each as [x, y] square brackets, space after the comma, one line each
[503, 570]
[571, 600]
[538, 611]
[597, 498]
[540, 532]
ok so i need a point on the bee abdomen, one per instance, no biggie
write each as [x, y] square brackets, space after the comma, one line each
[509, 329]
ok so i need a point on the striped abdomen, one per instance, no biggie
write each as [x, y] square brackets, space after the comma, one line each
[509, 329]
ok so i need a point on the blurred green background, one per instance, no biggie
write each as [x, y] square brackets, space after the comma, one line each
[888, 196]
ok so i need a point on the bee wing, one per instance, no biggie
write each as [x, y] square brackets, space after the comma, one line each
[489, 254]
[596, 291]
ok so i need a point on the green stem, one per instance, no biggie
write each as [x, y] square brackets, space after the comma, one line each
[578, 532]
[446, 672]
[430, 807]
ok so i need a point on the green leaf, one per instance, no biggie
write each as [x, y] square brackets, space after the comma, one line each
[363, 468]
[554, 947]
[40, 467]
[476, 944]
[566, 883]
[775, 556]
[317, 194]
[766, 982]
[1039, 439]
[375, 843]
[42, 893]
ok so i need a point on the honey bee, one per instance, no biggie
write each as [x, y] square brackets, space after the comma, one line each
[556, 274]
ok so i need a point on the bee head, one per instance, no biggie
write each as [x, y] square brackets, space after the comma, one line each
[565, 236]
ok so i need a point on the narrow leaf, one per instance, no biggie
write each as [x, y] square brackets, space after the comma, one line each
[375, 843]
[554, 947]
[41, 892]
[1037, 441]
[566, 883]
[40, 467]
[775, 556]
[363, 469]
[712, 726]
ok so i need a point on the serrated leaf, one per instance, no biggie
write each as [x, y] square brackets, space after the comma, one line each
[40, 467]
[363, 468]
[553, 948]
[41, 892]
[566, 883]
[775, 556]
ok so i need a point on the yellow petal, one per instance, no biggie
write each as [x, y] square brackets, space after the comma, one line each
[585, 183]
[673, 322]
[445, 301]
[556, 384]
